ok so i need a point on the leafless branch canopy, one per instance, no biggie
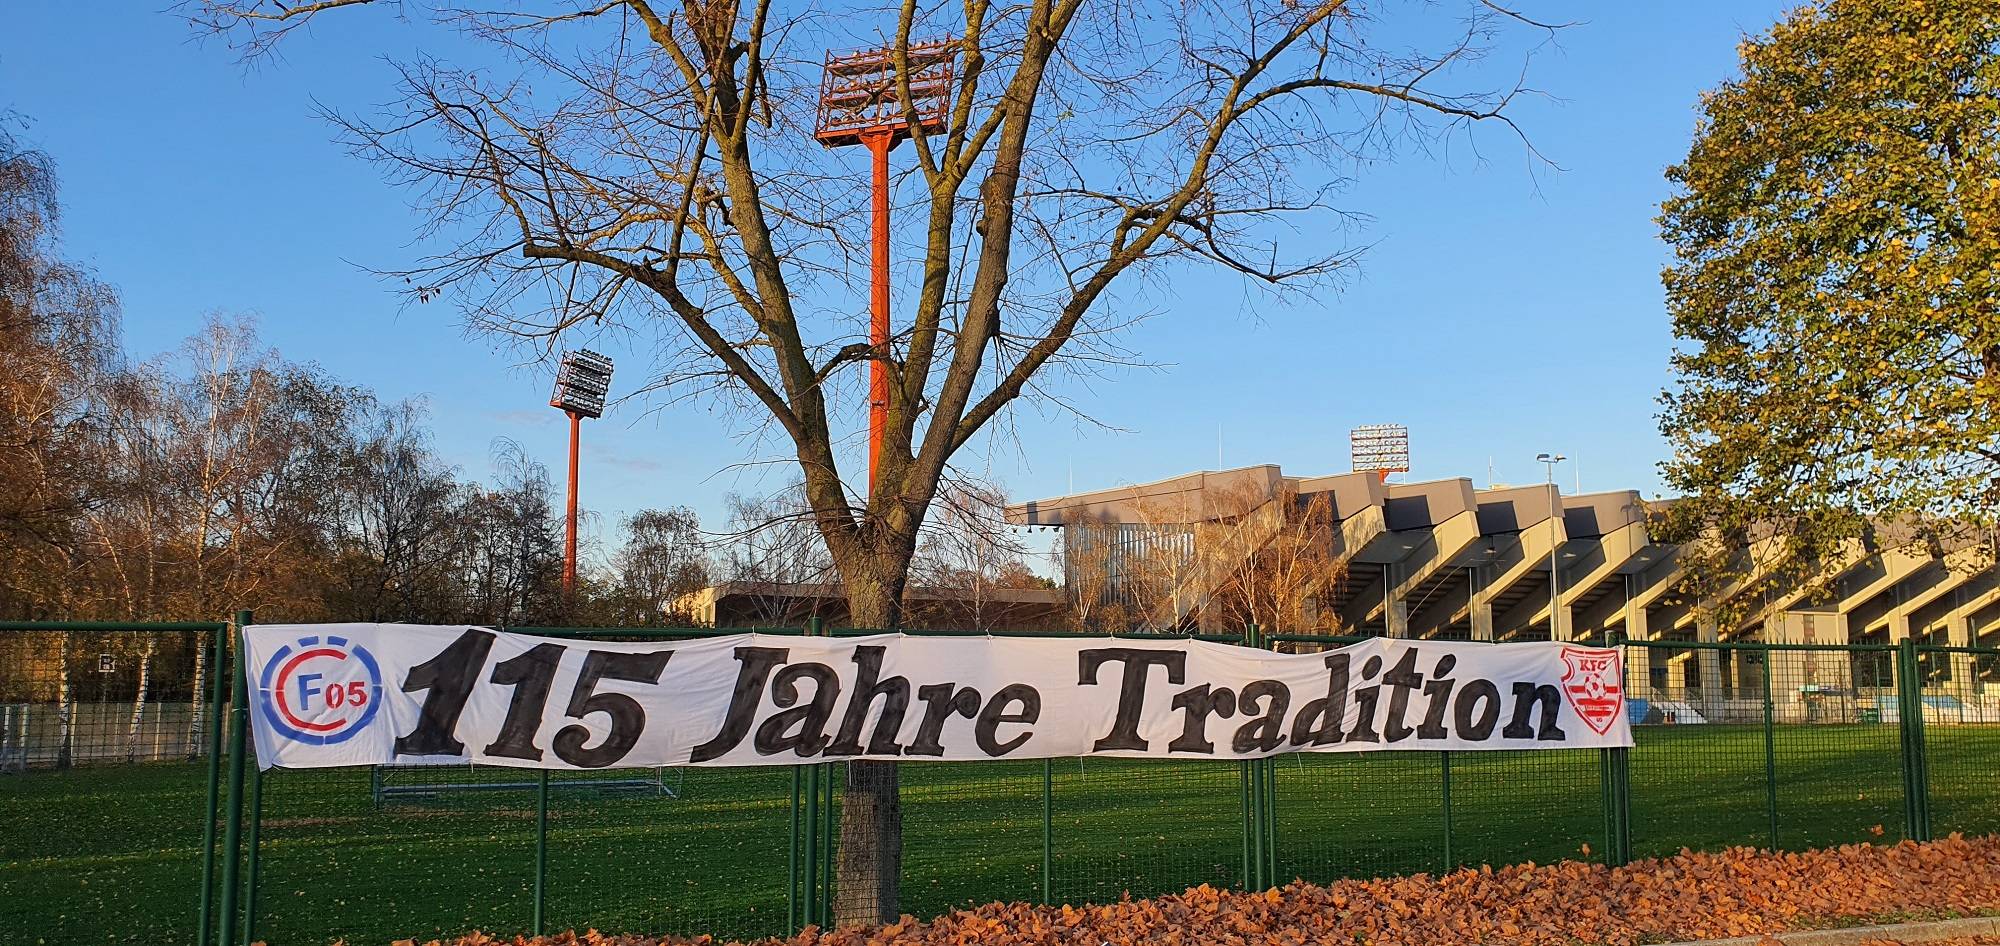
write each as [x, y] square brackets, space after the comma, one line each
[637, 165]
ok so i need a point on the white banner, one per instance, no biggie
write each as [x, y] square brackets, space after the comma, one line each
[384, 694]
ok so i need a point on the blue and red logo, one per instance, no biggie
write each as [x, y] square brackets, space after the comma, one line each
[320, 691]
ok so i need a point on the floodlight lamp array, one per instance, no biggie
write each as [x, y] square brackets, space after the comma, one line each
[861, 95]
[582, 383]
[1380, 448]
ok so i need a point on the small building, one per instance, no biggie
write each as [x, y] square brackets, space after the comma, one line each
[790, 604]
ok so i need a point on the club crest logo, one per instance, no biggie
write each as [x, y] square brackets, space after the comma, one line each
[320, 691]
[1593, 680]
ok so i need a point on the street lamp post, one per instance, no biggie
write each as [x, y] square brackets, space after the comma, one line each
[1548, 462]
[581, 384]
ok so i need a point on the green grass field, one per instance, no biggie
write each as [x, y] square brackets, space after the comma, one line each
[102, 855]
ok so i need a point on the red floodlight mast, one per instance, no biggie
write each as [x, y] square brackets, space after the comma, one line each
[861, 101]
[582, 383]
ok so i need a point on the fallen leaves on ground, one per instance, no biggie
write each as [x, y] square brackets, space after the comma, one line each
[1738, 892]
[1956, 941]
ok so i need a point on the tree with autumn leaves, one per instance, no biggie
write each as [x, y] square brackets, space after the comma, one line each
[1835, 287]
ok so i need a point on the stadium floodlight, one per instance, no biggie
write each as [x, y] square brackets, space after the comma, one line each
[1381, 449]
[582, 383]
[878, 97]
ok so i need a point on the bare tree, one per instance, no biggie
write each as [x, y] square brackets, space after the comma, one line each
[969, 550]
[653, 166]
[1280, 582]
[665, 557]
[772, 552]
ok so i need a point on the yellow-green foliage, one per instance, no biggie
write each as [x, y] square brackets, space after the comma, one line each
[1836, 279]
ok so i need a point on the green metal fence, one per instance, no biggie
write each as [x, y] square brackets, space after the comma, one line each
[118, 739]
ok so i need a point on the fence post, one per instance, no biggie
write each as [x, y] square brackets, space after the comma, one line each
[1249, 856]
[792, 862]
[232, 843]
[218, 677]
[812, 846]
[1270, 822]
[1615, 777]
[1770, 750]
[1444, 790]
[813, 827]
[1270, 766]
[541, 847]
[251, 845]
[826, 878]
[1255, 850]
[1048, 830]
[1916, 774]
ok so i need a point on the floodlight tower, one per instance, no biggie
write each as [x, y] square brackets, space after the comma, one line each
[862, 101]
[581, 384]
[1380, 449]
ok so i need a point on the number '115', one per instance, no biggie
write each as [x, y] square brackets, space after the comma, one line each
[447, 679]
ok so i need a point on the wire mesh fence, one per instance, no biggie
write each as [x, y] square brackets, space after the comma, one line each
[1786, 746]
[102, 694]
[1961, 726]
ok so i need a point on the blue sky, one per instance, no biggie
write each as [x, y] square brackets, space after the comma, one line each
[1503, 309]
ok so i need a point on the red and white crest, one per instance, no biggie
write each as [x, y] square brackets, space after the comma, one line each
[1593, 680]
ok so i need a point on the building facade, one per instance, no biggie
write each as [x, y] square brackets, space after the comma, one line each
[1445, 560]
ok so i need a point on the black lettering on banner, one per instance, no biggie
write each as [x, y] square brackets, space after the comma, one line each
[1267, 731]
[1365, 698]
[1402, 680]
[996, 712]
[448, 677]
[941, 701]
[1319, 720]
[628, 718]
[757, 663]
[1131, 688]
[531, 675]
[811, 719]
[1477, 691]
[895, 694]
[1439, 692]
[1197, 704]
[1526, 695]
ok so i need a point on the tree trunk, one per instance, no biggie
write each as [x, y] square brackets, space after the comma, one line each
[137, 724]
[199, 706]
[869, 883]
[64, 712]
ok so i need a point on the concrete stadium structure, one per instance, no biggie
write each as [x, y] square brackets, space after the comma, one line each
[1443, 559]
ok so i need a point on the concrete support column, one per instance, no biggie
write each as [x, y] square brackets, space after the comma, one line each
[1637, 623]
[1481, 608]
[1677, 677]
[1638, 660]
[1708, 662]
[1964, 673]
[1899, 626]
[1482, 621]
[1396, 618]
[1639, 672]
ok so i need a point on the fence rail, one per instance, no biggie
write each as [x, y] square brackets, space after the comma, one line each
[1772, 745]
